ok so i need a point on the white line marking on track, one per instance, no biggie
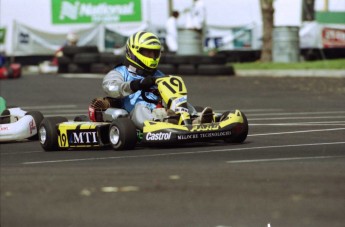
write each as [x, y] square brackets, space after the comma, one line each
[179, 153]
[85, 76]
[49, 107]
[294, 132]
[255, 110]
[327, 123]
[282, 159]
[293, 118]
[299, 113]
[14, 153]
[69, 111]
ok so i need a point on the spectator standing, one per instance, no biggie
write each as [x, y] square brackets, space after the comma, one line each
[71, 40]
[171, 32]
[52, 66]
[196, 19]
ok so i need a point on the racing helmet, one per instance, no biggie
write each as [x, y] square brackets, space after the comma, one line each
[143, 51]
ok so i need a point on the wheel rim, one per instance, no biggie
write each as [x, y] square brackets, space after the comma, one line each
[114, 135]
[43, 135]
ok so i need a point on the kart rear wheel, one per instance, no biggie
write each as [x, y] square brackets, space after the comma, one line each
[48, 133]
[239, 132]
[122, 134]
[81, 118]
[5, 117]
[38, 118]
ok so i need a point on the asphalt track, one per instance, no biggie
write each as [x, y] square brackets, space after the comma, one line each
[289, 172]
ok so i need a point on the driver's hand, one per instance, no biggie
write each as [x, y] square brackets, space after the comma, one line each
[142, 84]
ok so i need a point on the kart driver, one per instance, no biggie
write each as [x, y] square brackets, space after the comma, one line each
[138, 72]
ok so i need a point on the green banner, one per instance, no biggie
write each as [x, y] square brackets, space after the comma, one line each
[95, 11]
[2, 35]
[330, 17]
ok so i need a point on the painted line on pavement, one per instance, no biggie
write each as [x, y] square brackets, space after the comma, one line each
[85, 76]
[179, 153]
[15, 153]
[295, 132]
[49, 107]
[293, 118]
[320, 123]
[300, 113]
[282, 159]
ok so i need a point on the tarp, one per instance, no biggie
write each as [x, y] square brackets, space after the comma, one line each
[30, 41]
[316, 35]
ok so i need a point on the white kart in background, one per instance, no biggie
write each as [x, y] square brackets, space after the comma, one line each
[17, 124]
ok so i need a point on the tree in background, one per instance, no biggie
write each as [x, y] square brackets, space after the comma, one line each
[267, 12]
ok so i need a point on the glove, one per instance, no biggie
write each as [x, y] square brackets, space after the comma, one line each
[100, 103]
[142, 84]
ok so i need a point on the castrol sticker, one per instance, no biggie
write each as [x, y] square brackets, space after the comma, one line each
[158, 136]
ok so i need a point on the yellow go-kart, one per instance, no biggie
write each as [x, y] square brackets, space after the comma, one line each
[119, 132]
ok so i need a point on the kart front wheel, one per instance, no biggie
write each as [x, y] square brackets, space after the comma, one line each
[122, 134]
[48, 133]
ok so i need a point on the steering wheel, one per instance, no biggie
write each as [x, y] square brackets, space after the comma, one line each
[147, 99]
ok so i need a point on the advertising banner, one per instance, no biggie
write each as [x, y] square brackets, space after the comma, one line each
[29, 41]
[95, 11]
[2, 35]
[236, 38]
[332, 37]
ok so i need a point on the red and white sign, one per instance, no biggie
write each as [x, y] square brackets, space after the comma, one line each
[333, 37]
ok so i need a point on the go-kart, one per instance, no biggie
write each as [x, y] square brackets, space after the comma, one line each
[11, 71]
[118, 131]
[17, 124]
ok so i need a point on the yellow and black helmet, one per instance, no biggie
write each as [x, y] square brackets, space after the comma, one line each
[143, 51]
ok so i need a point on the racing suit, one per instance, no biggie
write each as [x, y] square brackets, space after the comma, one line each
[116, 84]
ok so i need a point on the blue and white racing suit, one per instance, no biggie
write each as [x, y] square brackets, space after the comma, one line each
[116, 84]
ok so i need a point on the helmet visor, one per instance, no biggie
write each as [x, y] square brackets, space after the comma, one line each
[150, 53]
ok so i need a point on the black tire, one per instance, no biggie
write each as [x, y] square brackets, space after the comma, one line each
[70, 51]
[78, 68]
[176, 60]
[63, 68]
[86, 58]
[122, 134]
[64, 60]
[223, 70]
[81, 118]
[168, 69]
[48, 133]
[5, 117]
[186, 70]
[238, 133]
[63, 63]
[110, 58]
[38, 118]
[89, 49]
[100, 68]
[202, 60]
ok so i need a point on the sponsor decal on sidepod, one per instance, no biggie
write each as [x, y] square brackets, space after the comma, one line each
[158, 136]
[83, 137]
